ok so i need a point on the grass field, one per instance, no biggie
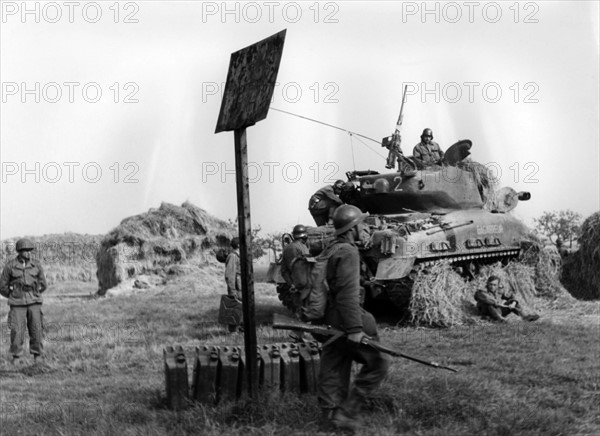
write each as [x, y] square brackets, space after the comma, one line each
[104, 371]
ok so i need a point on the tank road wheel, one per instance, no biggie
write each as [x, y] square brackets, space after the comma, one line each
[286, 297]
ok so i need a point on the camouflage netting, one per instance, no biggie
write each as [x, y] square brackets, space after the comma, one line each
[441, 297]
[581, 271]
[165, 241]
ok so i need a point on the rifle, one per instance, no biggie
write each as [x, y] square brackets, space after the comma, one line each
[286, 323]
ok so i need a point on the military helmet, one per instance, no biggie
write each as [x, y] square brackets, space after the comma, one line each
[338, 185]
[348, 186]
[347, 216]
[299, 232]
[24, 244]
[427, 132]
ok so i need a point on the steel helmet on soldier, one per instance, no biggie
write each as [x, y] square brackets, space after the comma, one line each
[24, 244]
[299, 232]
[347, 216]
[427, 132]
[338, 185]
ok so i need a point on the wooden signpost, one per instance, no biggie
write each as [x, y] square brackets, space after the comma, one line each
[248, 93]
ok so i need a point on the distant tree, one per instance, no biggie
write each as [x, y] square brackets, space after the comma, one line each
[564, 224]
[260, 243]
[271, 241]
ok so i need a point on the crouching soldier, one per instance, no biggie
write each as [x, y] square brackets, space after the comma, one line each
[496, 304]
[341, 404]
[23, 282]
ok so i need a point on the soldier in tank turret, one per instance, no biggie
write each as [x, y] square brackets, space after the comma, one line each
[427, 153]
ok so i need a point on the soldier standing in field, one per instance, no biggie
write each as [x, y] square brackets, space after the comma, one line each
[323, 202]
[233, 279]
[292, 251]
[23, 282]
[428, 153]
[341, 404]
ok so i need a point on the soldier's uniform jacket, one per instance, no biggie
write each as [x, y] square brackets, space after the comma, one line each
[324, 199]
[22, 282]
[485, 296]
[343, 278]
[429, 154]
[296, 249]
[233, 275]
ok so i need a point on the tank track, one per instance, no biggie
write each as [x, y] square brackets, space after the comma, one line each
[493, 256]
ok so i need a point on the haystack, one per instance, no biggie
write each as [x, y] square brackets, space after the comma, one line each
[547, 265]
[161, 242]
[581, 271]
[441, 297]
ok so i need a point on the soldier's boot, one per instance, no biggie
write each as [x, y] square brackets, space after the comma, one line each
[530, 317]
[348, 417]
[326, 420]
[342, 421]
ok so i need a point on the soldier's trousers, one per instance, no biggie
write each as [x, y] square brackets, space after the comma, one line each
[320, 218]
[22, 319]
[334, 375]
[497, 313]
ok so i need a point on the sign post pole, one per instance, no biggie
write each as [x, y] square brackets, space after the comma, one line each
[245, 234]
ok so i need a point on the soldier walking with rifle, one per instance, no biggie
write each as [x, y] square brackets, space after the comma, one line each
[341, 405]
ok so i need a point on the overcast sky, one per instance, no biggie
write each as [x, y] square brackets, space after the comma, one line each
[108, 110]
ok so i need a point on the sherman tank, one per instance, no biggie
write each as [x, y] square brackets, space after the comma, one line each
[421, 215]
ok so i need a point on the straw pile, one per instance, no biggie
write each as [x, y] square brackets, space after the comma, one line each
[581, 272]
[440, 297]
[485, 180]
[170, 240]
[547, 265]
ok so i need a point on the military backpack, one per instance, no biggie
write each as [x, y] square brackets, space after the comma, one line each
[309, 276]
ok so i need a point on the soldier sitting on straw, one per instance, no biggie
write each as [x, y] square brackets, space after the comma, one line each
[496, 304]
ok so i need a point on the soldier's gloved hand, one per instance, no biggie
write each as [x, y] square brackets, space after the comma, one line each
[356, 337]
